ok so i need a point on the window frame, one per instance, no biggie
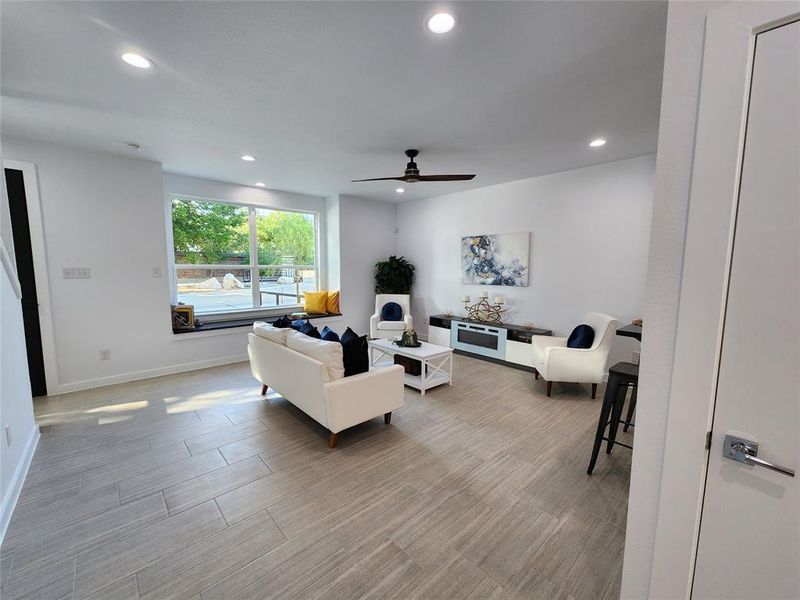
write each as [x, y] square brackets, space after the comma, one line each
[256, 309]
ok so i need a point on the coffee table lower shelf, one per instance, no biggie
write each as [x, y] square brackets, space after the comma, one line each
[437, 363]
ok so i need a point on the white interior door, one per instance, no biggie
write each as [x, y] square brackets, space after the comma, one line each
[749, 542]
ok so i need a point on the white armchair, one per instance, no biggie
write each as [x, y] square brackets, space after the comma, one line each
[554, 361]
[390, 329]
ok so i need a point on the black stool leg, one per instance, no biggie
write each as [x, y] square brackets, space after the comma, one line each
[605, 411]
[621, 390]
[631, 407]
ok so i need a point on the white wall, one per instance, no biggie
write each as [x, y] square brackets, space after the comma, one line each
[108, 213]
[681, 83]
[16, 406]
[367, 235]
[590, 229]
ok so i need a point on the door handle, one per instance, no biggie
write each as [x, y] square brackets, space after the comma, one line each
[746, 451]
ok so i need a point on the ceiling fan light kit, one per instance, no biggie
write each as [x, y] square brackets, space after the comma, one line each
[412, 174]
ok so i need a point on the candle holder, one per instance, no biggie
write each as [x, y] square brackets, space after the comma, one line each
[483, 311]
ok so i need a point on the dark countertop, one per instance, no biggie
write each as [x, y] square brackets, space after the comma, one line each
[634, 331]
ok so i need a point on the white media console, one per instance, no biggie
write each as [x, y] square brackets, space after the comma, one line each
[504, 343]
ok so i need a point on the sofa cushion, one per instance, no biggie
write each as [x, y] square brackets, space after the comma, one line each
[581, 337]
[328, 353]
[329, 335]
[270, 332]
[392, 311]
[392, 325]
[316, 302]
[309, 330]
[282, 322]
[355, 353]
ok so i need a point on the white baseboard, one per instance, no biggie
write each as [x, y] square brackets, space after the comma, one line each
[15, 486]
[88, 384]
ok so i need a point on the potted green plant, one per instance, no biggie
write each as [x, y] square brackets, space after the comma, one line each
[394, 276]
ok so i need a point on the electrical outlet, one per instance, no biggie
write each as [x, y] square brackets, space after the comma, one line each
[105, 354]
[636, 355]
[8, 435]
[77, 273]
[157, 272]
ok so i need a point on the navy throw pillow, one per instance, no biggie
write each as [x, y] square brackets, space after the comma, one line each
[392, 311]
[297, 324]
[329, 335]
[309, 330]
[348, 336]
[282, 322]
[581, 337]
[355, 353]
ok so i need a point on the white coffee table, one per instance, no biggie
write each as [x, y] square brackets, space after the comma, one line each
[437, 362]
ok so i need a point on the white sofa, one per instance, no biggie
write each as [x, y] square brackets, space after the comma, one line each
[390, 329]
[554, 361]
[304, 370]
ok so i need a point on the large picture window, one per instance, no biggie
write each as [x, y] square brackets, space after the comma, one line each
[230, 257]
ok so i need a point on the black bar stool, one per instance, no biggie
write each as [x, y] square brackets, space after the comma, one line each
[620, 376]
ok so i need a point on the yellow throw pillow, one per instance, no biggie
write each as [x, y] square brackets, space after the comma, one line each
[316, 302]
[333, 303]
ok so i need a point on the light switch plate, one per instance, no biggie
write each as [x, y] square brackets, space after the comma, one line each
[77, 273]
[156, 272]
[105, 354]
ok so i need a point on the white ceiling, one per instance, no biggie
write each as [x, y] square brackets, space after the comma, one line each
[325, 92]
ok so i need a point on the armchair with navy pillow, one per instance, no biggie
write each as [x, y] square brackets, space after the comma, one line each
[392, 316]
[580, 358]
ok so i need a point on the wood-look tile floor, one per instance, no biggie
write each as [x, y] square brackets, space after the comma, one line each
[193, 486]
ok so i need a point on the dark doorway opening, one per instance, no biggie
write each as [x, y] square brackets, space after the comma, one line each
[23, 252]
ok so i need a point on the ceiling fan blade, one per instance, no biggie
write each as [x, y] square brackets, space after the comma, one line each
[445, 177]
[380, 179]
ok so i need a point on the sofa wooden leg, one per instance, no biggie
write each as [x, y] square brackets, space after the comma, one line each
[594, 391]
[536, 374]
[549, 387]
[334, 437]
[264, 389]
[387, 417]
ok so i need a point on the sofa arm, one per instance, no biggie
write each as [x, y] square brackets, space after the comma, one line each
[358, 398]
[409, 321]
[577, 365]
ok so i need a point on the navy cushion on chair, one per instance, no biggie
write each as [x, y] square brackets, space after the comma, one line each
[392, 311]
[329, 335]
[581, 337]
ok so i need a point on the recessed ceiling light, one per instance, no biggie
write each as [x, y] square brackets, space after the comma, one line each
[136, 60]
[441, 22]
[248, 158]
[260, 184]
[133, 146]
[597, 143]
[400, 190]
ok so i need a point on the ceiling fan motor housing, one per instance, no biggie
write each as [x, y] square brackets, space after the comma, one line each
[412, 171]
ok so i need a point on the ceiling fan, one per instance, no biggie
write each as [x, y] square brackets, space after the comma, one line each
[412, 173]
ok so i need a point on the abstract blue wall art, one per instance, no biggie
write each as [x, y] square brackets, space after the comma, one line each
[495, 259]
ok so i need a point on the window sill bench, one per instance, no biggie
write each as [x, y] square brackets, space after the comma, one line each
[230, 326]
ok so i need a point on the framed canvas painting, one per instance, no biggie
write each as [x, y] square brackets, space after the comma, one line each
[495, 259]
